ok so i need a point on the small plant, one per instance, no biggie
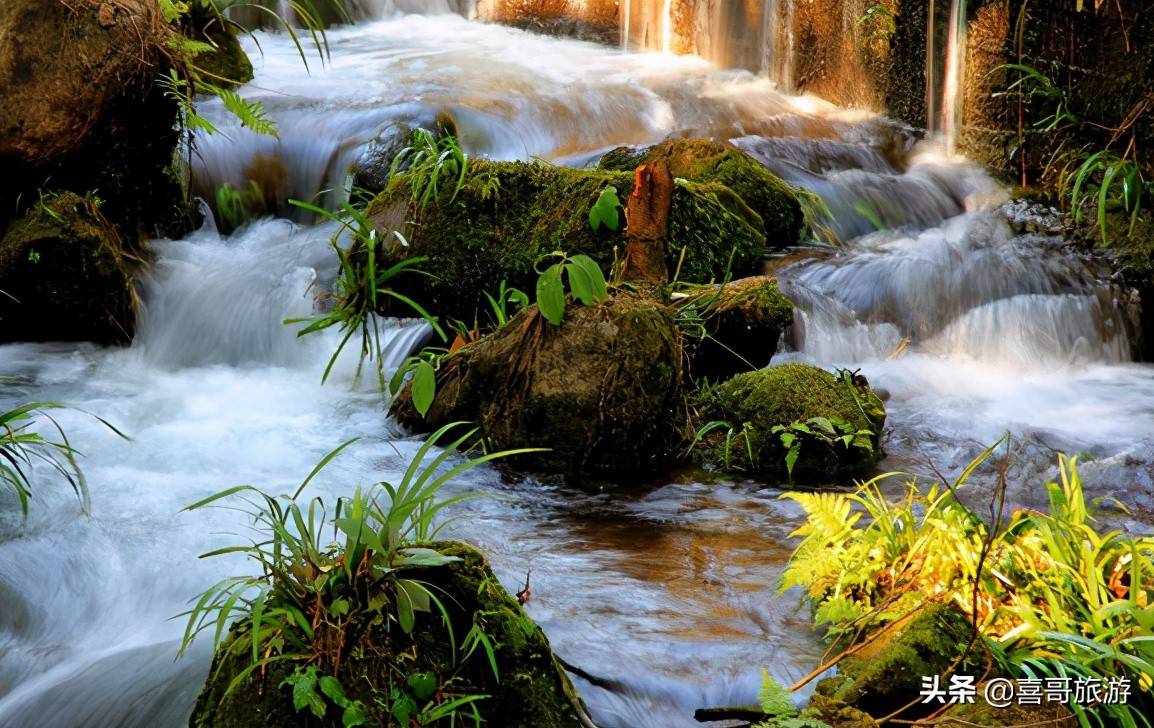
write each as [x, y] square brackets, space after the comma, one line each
[499, 304]
[828, 432]
[731, 436]
[606, 211]
[363, 287]
[21, 449]
[429, 161]
[319, 598]
[1120, 184]
[1037, 87]
[1050, 595]
[586, 283]
[235, 207]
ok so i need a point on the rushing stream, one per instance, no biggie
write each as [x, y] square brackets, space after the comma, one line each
[665, 593]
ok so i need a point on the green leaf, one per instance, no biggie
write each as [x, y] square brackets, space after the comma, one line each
[339, 607]
[791, 459]
[403, 709]
[604, 211]
[551, 295]
[354, 715]
[423, 684]
[332, 688]
[586, 280]
[424, 557]
[424, 386]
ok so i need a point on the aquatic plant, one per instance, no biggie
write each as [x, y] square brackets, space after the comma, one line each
[363, 286]
[1049, 594]
[21, 448]
[322, 596]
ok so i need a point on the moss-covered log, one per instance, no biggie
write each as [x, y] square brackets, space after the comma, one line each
[532, 690]
[740, 324]
[753, 403]
[705, 161]
[66, 275]
[603, 391]
[510, 214]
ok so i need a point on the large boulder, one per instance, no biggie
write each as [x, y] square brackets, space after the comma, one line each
[752, 404]
[507, 215]
[531, 690]
[738, 325]
[602, 391]
[698, 160]
[81, 109]
[66, 275]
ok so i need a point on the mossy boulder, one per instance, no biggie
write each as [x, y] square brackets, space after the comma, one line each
[510, 214]
[753, 403]
[602, 391]
[699, 160]
[887, 676]
[532, 690]
[740, 324]
[67, 275]
[227, 64]
[981, 713]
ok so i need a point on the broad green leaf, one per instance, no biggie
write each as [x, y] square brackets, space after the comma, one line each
[551, 295]
[424, 386]
[604, 211]
[423, 684]
[584, 269]
[791, 459]
[332, 688]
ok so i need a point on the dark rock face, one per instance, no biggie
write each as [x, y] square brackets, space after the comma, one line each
[602, 391]
[532, 690]
[67, 275]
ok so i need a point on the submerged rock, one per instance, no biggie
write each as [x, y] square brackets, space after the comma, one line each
[66, 275]
[740, 324]
[532, 690]
[508, 215]
[753, 403]
[602, 391]
[698, 160]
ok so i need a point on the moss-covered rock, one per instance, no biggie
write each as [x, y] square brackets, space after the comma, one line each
[227, 64]
[740, 323]
[755, 402]
[603, 391]
[509, 214]
[532, 692]
[888, 675]
[66, 274]
[981, 713]
[705, 161]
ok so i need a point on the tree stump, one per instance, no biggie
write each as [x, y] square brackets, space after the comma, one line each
[647, 225]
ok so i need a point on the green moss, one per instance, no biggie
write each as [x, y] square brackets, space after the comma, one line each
[483, 236]
[704, 161]
[67, 275]
[882, 680]
[756, 401]
[602, 392]
[227, 64]
[533, 690]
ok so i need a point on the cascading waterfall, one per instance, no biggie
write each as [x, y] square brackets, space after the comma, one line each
[626, 19]
[972, 314]
[666, 26]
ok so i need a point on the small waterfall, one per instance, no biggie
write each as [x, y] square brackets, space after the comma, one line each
[626, 13]
[666, 26]
[955, 72]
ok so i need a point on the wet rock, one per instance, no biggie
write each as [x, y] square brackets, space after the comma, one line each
[739, 325]
[887, 675]
[67, 275]
[707, 161]
[602, 391]
[226, 65]
[510, 214]
[81, 110]
[532, 692]
[753, 403]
